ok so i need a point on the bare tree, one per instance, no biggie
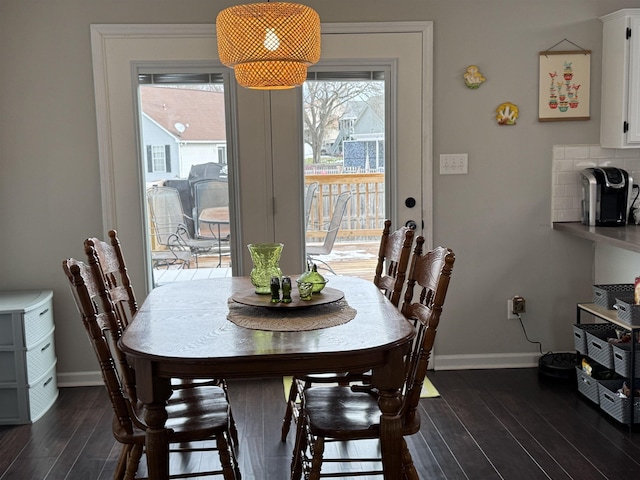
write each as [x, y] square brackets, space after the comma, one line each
[325, 101]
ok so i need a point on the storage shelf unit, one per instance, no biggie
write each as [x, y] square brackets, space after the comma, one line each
[28, 385]
[611, 316]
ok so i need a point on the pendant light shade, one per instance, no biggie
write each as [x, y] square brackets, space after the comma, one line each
[269, 45]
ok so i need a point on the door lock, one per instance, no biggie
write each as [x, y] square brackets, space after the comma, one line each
[410, 202]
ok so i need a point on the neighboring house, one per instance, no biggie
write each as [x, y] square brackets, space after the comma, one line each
[362, 134]
[161, 151]
[180, 128]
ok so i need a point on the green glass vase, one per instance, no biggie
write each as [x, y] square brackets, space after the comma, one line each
[266, 264]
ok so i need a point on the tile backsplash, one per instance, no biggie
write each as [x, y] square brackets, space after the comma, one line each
[568, 160]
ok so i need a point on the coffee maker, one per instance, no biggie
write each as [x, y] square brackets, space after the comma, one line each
[606, 196]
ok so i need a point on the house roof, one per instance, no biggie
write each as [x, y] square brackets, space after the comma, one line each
[188, 114]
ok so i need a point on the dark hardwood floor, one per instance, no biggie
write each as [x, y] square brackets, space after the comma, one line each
[487, 424]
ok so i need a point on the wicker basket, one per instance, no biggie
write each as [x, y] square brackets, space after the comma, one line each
[622, 359]
[628, 312]
[615, 406]
[580, 334]
[587, 386]
[599, 348]
[605, 295]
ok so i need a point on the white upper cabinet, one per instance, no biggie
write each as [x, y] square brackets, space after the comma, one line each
[620, 115]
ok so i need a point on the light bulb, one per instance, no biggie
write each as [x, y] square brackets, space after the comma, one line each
[271, 40]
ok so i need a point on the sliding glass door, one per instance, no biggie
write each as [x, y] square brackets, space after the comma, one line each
[184, 165]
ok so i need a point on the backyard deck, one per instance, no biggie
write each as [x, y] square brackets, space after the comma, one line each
[352, 259]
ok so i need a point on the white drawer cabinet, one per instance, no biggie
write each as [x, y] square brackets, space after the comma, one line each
[28, 384]
[620, 109]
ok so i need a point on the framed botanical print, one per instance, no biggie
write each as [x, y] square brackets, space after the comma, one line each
[564, 85]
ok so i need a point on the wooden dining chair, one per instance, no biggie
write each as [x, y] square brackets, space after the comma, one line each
[393, 259]
[109, 260]
[115, 275]
[194, 415]
[390, 275]
[337, 413]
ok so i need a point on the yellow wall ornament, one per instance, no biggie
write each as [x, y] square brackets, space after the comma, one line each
[473, 78]
[507, 113]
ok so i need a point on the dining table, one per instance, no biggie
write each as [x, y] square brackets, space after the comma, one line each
[219, 328]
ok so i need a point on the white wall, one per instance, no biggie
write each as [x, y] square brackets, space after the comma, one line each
[496, 218]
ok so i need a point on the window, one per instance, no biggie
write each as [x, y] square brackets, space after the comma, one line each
[159, 158]
[222, 154]
[345, 128]
[183, 125]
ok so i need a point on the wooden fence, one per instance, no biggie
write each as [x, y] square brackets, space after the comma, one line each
[364, 217]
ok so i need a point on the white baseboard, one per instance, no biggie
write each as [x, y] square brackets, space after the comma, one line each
[485, 361]
[79, 379]
[440, 362]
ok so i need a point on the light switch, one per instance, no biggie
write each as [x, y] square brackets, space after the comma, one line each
[454, 164]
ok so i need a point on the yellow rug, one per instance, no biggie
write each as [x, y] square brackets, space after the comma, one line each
[428, 390]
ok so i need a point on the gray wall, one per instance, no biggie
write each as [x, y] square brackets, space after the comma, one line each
[496, 218]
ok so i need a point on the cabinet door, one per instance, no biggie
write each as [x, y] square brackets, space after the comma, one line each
[633, 135]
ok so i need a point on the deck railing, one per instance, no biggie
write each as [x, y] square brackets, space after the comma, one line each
[364, 217]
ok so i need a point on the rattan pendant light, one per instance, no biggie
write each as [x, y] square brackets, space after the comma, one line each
[269, 45]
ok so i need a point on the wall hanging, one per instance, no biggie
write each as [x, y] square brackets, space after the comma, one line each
[473, 77]
[507, 113]
[564, 84]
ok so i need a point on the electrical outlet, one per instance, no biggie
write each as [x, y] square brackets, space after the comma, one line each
[515, 306]
[519, 304]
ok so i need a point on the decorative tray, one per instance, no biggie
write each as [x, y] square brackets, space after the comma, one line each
[327, 295]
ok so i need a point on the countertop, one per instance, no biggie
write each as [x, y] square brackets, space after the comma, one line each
[627, 237]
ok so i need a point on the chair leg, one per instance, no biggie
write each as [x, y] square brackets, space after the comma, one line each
[233, 430]
[288, 414]
[316, 462]
[234, 459]
[133, 461]
[228, 469]
[408, 469]
[122, 462]
[299, 448]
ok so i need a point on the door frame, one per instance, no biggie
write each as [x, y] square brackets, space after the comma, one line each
[116, 126]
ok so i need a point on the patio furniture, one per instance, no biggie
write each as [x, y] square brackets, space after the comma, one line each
[210, 194]
[309, 195]
[314, 251]
[169, 228]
